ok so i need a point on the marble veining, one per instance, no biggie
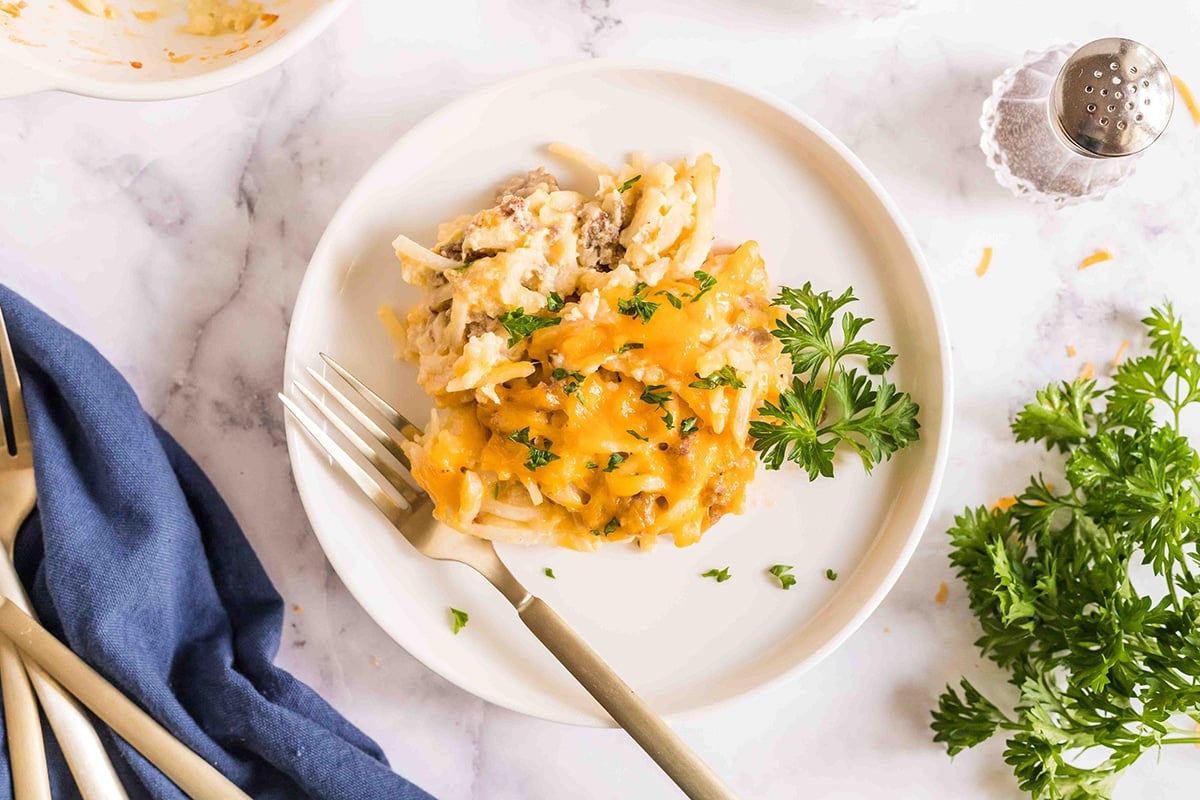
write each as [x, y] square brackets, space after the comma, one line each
[174, 236]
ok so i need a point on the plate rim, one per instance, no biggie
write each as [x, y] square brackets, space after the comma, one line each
[943, 431]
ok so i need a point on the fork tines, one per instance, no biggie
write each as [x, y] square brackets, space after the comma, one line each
[380, 447]
[14, 421]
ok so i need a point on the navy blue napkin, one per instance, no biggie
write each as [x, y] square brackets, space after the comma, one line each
[133, 559]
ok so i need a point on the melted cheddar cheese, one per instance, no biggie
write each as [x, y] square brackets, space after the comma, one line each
[634, 441]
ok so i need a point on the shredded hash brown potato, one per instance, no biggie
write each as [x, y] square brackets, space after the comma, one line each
[594, 366]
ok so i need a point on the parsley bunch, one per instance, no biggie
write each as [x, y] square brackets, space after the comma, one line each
[1105, 667]
[868, 414]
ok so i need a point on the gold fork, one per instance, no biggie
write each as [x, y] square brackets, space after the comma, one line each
[414, 519]
[89, 764]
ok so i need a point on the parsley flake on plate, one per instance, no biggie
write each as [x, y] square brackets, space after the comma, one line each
[783, 573]
[458, 620]
[627, 185]
[539, 456]
[707, 282]
[550, 573]
[725, 376]
[831, 575]
[521, 325]
[614, 461]
[721, 574]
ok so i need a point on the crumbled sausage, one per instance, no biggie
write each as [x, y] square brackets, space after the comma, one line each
[600, 239]
[513, 207]
[524, 185]
[452, 250]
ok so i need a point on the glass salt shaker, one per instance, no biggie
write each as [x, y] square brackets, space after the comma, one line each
[1066, 125]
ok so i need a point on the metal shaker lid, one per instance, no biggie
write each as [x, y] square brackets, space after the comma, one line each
[1113, 97]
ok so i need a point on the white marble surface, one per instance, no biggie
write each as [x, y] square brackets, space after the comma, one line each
[174, 236]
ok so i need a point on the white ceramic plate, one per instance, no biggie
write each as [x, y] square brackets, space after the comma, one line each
[684, 642]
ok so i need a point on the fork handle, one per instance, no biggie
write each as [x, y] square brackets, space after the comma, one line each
[23, 726]
[89, 763]
[680, 762]
[191, 773]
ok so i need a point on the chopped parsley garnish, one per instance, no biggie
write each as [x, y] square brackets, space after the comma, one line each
[611, 526]
[592, 465]
[668, 419]
[654, 394]
[783, 573]
[538, 456]
[627, 185]
[466, 264]
[458, 620]
[725, 376]
[554, 302]
[614, 461]
[689, 425]
[672, 299]
[625, 348]
[869, 414]
[636, 435]
[831, 575]
[550, 573]
[637, 306]
[721, 574]
[496, 490]
[520, 325]
[707, 282]
[576, 378]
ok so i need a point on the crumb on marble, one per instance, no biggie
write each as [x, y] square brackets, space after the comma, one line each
[943, 592]
[375, 662]
[135, 64]
[984, 262]
[1189, 100]
[1087, 371]
[886, 629]
[1095, 258]
[1120, 353]
[1071, 351]
[299, 609]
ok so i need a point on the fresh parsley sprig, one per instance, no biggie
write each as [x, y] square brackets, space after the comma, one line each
[1106, 666]
[869, 414]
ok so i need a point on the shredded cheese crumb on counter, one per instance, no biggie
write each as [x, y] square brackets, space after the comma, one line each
[942, 593]
[1095, 258]
[1189, 100]
[12, 9]
[1087, 372]
[1120, 353]
[1005, 503]
[984, 262]
[1071, 351]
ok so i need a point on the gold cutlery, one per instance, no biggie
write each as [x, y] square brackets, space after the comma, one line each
[45, 656]
[413, 518]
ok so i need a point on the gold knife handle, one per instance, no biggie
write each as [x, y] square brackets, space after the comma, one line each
[191, 773]
[680, 762]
